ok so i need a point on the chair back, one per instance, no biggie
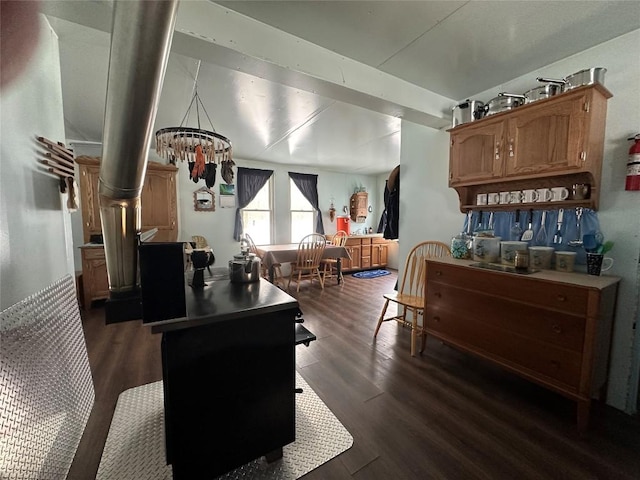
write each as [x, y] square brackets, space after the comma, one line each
[252, 244]
[310, 251]
[200, 241]
[414, 268]
[340, 238]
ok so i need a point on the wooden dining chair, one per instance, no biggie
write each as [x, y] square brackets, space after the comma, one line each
[410, 297]
[264, 271]
[307, 264]
[330, 265]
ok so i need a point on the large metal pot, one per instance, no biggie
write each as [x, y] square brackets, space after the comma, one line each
[503, 102]
[588, 76]
[543, 91]
[244, 268]
[467, 111]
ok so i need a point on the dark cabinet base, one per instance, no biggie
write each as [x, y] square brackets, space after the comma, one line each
[229, 393]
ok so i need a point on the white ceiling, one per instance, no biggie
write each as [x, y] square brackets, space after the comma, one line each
[325, 83]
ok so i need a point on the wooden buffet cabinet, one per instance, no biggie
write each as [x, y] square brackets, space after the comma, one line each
[159, 210]
[554, 142]
[549, 327]
[366, 251]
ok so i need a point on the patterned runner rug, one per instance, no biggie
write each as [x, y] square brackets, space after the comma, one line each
[371, 274]
[135, 445]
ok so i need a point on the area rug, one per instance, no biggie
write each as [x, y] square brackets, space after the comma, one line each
[135, 445]
[371, 274]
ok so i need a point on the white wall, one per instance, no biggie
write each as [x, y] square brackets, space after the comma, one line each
[432, 209]
[218, 226]
[35, 227]
[429, 209]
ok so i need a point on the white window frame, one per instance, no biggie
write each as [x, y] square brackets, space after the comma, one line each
[257, 238]
[292, 212]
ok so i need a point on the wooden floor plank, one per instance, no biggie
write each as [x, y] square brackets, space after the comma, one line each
[444, 414]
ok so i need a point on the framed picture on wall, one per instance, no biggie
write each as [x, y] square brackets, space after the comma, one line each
[227, 195]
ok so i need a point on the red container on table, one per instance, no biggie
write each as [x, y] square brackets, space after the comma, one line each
[342, 223]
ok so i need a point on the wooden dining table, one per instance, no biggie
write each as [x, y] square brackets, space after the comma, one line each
[287, 253]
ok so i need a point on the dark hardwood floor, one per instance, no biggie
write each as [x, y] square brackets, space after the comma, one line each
[444, 414]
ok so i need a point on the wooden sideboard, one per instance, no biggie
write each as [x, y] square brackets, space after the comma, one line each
[549, 327]
[158, 210]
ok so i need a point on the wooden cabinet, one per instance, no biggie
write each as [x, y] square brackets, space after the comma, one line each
[95, 282]
[553, 329]
[159, 210]
[554, 142]
[158, 200]
[548, 138]
[358, 207]
[379, 252]
[366, 252]
[476, 153]
[353, 247]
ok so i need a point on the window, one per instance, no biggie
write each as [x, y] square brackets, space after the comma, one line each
[302, 214]
[256, 216]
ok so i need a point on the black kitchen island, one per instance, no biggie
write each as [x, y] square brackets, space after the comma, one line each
[228, 371]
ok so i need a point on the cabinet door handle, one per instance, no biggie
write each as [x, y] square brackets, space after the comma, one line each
[511, 147]
[436, 319]
[562, 298]
[438, 273]
[437, 295]
[556, 329]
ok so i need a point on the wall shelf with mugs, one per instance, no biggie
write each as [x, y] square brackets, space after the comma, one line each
[557, 142]
[544, 193]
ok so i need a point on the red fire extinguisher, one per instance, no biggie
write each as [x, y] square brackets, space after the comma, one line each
[633, 165]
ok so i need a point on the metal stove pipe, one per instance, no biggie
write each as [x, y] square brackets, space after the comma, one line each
[140, 43]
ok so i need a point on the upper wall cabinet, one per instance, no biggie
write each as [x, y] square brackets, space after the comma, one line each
[358, 207]
[158, 199]
[554, 142]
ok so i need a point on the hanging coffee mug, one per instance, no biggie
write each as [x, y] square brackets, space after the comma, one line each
[493, 198]
[544, 195]
[559, 194]
[529, 196]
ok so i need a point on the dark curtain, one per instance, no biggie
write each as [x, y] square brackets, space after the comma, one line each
[308, 185]
[249, 183]
[383, 218]
[392, 206]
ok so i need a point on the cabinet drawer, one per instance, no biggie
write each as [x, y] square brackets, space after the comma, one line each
[93, 253]
[353, 241]
[557, 328]
[546, 294]
[518, 352]
[366, 262]
[375, 240]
